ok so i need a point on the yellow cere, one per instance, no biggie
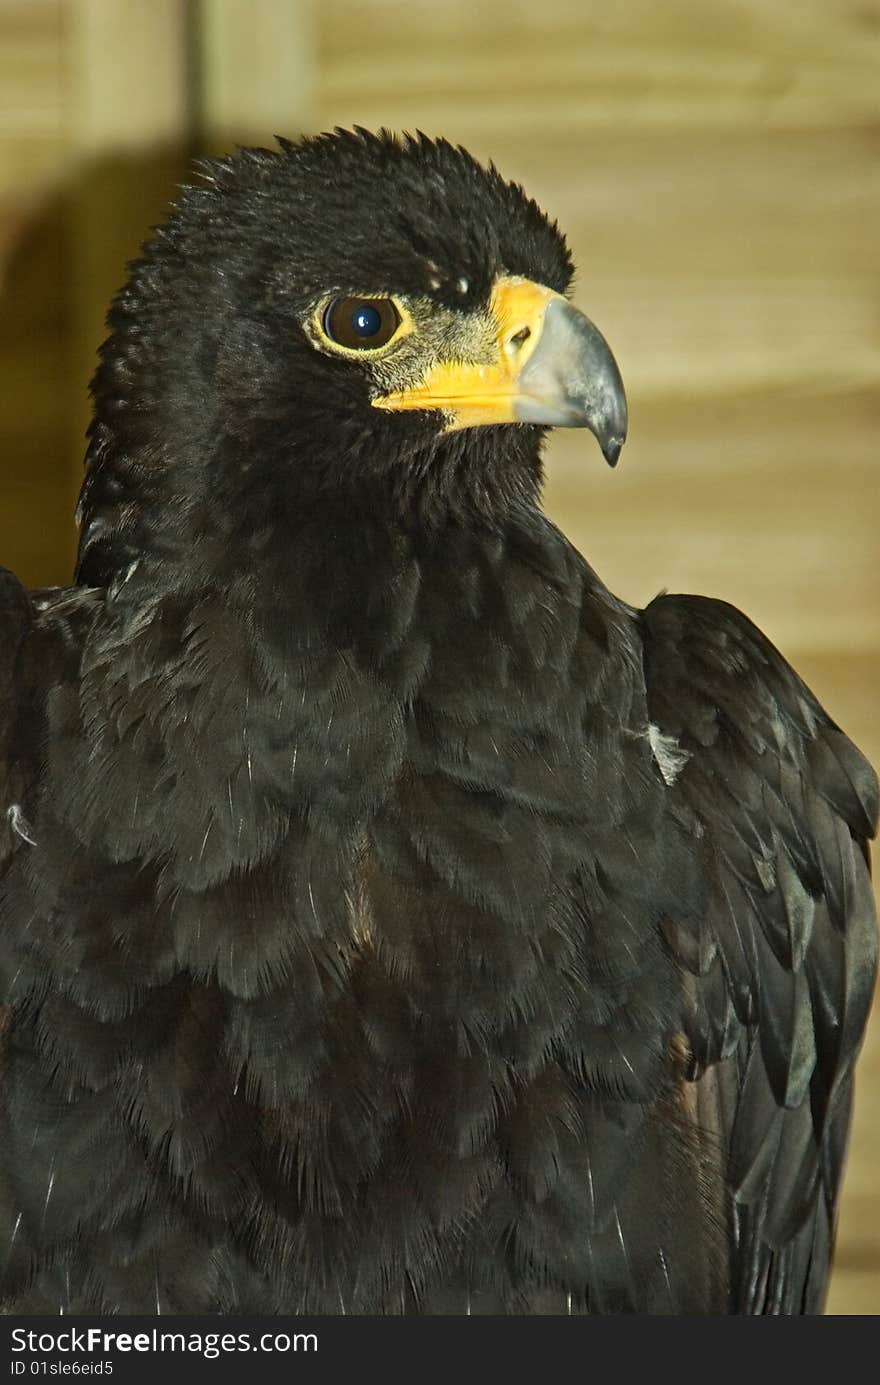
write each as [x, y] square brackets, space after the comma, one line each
[475, 393]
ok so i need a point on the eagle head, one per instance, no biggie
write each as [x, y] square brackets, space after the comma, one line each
[354, 317]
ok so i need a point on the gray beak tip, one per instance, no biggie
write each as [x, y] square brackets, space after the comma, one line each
[611, 449]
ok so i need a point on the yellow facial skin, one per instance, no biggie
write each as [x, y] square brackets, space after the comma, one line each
[477, 393]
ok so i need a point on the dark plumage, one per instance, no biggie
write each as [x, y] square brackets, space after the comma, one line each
[391, 919]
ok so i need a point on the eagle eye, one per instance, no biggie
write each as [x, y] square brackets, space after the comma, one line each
[360, 324]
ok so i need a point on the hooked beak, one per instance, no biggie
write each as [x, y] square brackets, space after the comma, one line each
[549, 365]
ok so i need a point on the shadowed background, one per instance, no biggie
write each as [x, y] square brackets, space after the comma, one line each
[717, 170]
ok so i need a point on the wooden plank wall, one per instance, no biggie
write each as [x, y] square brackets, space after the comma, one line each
[93, 134]
[716, 168]
[33, 277]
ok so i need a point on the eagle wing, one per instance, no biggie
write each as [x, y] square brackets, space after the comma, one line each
[40, 648]
[778, 948]
[16, 615]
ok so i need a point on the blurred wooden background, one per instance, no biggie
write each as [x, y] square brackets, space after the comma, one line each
[717, 168]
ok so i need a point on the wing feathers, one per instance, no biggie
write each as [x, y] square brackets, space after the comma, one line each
[782, 804]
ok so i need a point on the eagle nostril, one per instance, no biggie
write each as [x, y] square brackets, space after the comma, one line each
[519, 337]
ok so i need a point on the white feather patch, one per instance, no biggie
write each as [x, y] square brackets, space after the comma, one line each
[668, 754]
[20, 824]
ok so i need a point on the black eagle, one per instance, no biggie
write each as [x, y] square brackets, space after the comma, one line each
[392, 920]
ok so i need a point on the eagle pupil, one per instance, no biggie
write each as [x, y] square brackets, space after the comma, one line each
[360, 324]
[366, 321]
